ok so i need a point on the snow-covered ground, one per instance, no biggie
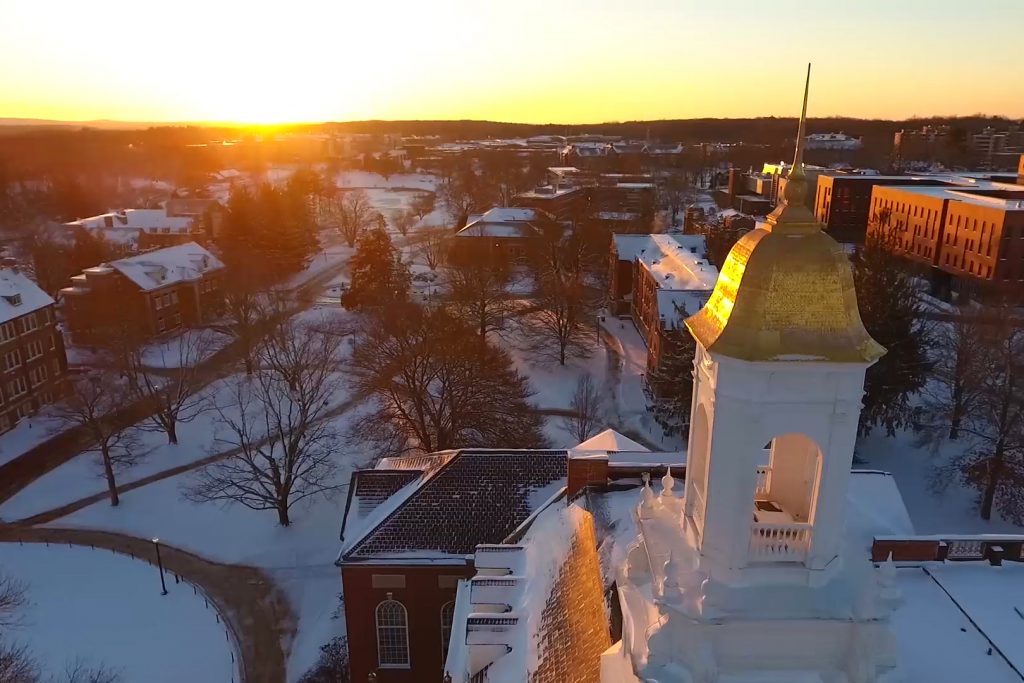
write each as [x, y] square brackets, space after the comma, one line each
[366, 179]
[186, 349]
[104, 608]
[933, 508]
[83, 475]
[27, 434]
[331, 257]
[302, 555]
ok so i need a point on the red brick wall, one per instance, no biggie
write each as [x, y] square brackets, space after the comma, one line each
[584, 471]
[423, 597]
[52, 361]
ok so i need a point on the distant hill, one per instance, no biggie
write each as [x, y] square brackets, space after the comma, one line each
[105, 124]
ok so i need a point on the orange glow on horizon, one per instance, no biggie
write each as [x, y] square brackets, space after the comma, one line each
[586, 62]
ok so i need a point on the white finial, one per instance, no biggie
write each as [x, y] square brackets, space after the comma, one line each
[650, 501]
[667, 483]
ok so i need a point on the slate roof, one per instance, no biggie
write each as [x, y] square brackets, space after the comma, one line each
[474, 497]
[373, 487]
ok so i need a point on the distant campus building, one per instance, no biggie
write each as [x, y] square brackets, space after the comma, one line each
[32, 360]
[146, 294]
[131, 230]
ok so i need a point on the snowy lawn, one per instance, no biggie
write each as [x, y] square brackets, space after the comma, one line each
[107, 609]
[186, 349]
[300, 556]
[366, 179]
[83, 475]
[949, 510]
[27, 434]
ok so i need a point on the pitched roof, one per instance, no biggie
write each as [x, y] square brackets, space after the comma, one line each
[472, 497]
[15, 286]
[155, 269]
[609, 440]
[506, 222]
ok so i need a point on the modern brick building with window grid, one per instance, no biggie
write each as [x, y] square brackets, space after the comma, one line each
[147, 294]
[32, 360]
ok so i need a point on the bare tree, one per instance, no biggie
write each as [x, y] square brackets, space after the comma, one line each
[17, 664]
[435, 387]
[588, 406]
[171, 395]
[404, 220]
[80, 671]
[478, 295]
[98, 404]
[276, 420]
[355, 214]
[244, 310]
[433, 243]
[956, 379]
[423, 204]
[561, 323]
[993, 423]
[12, 601]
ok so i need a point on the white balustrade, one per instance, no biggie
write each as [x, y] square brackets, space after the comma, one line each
[779, 542]
[763, 480]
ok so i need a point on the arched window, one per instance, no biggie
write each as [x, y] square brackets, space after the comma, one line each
[447, 616]
[392, 635]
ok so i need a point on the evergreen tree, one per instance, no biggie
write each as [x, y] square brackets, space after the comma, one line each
[378, 275]
[890, 308]
[672, 380]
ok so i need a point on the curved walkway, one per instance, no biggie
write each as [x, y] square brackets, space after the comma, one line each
[255, 610]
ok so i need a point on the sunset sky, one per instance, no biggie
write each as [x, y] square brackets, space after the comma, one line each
[566, 61]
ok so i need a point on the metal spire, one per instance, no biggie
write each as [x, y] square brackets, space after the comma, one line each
[801, 133]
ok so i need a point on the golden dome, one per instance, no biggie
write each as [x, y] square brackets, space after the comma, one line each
[786, 290]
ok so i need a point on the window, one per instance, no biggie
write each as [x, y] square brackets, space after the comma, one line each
[392, 635]
[12, 360]
[447, 616]
[28, 323]
[160, 324]
[34, 348]
[18, 387]
[53, 341]
[174, 297]
[56, 367]
[37, 375]
[7, 332]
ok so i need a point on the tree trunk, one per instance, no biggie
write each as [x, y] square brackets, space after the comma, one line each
[248, 363]
[108, 471]
[172, 432]
[994, 471]
[282, 514]
[561, 353]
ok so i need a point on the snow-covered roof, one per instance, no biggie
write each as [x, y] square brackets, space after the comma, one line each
[469, 497]
[16, 287]
[136, 219]
[685, 279]
[608, 440]
[506, 222]
[161, 267]
[617, 215]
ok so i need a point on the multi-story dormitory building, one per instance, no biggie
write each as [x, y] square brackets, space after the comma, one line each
[32, 360]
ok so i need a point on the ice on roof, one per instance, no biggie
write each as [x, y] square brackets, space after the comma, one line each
[155, 269]
[19, 296]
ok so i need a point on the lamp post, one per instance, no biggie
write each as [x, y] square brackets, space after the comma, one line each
[160, 563]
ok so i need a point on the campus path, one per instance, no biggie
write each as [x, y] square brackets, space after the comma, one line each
[254, 609]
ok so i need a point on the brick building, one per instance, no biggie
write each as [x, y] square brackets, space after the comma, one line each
[658, 280]
[146, 294]
[410, 529]
[504, 233]
[965, 237]
[32, 360]
[564, 203]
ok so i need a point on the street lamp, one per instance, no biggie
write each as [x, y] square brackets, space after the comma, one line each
[160, 563]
